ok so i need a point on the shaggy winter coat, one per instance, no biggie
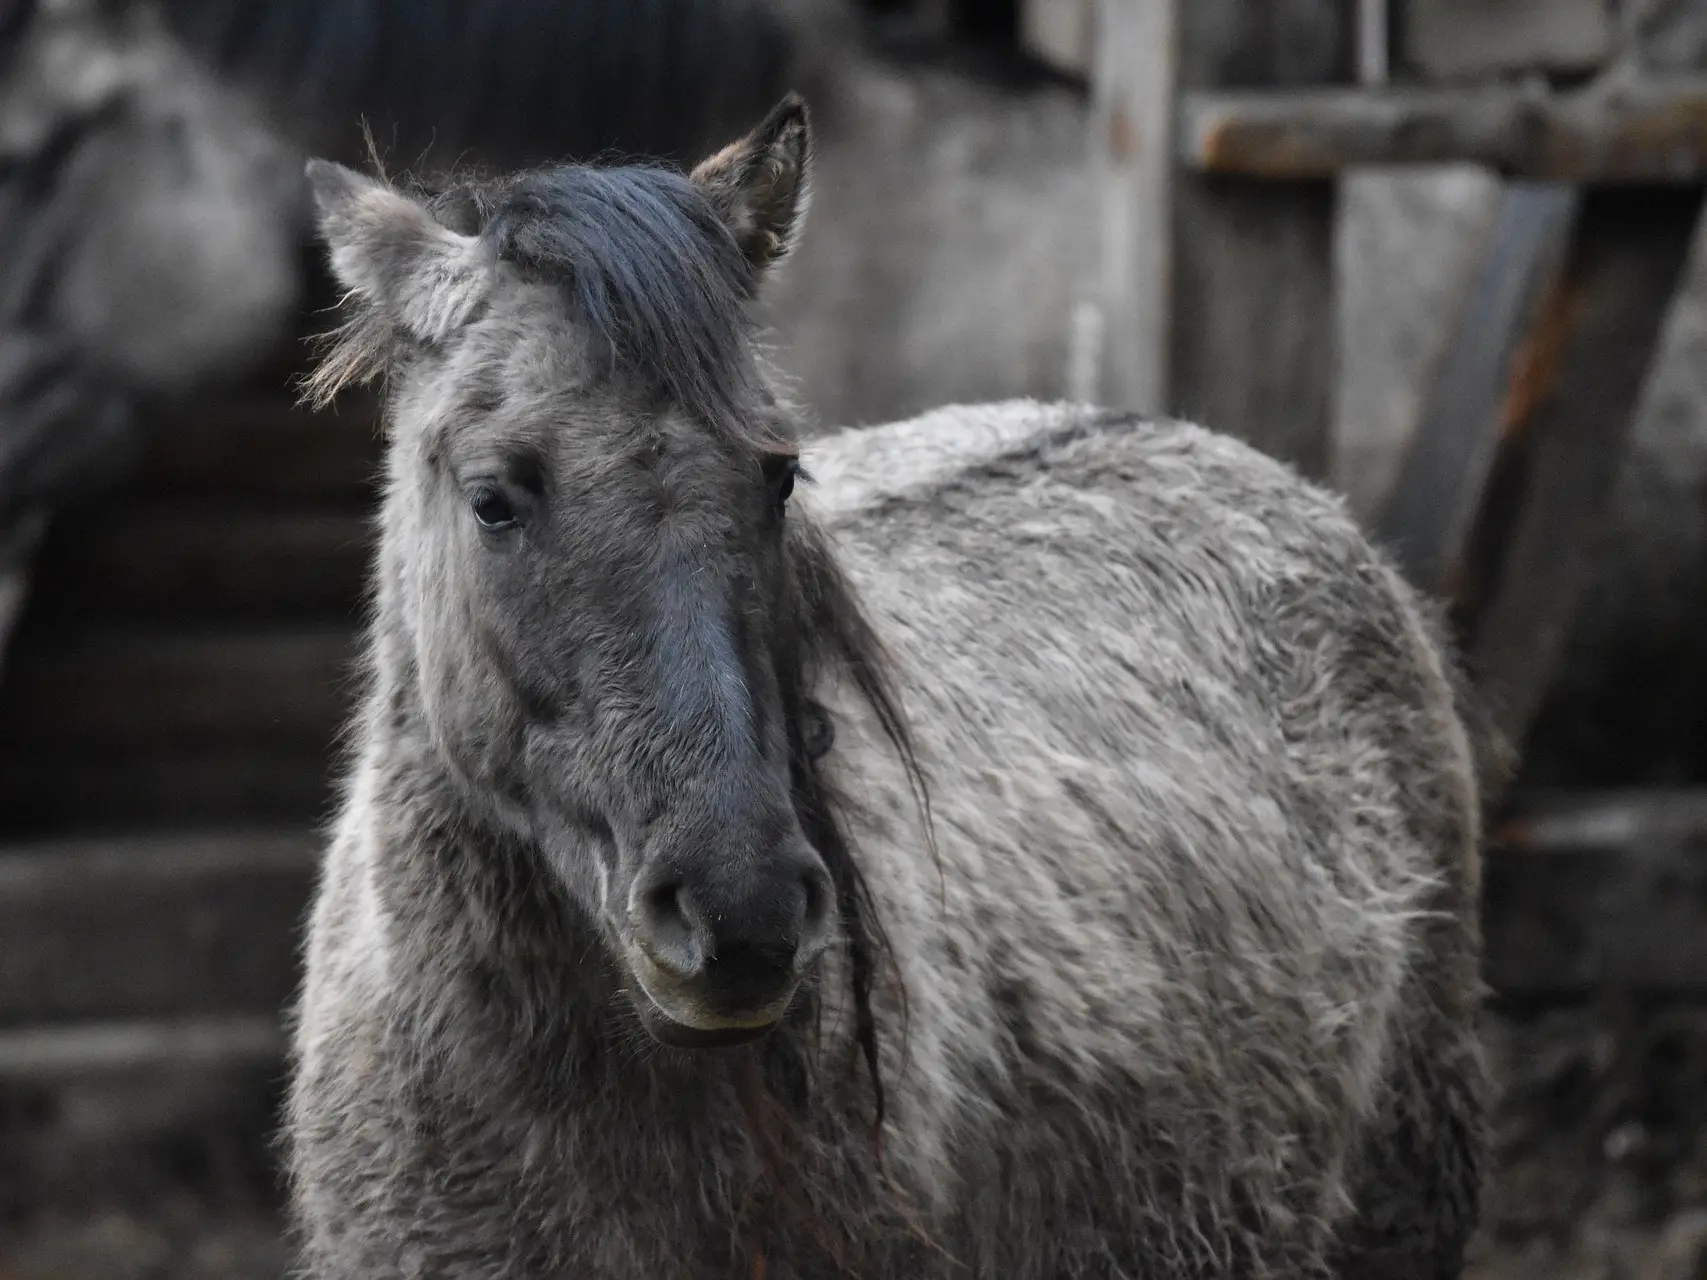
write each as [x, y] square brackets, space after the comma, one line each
[1188, 952]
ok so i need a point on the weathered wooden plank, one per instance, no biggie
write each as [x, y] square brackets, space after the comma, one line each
[1592, 890]
[1252, 348]
[1644, 133]
[1374, 42]
[1630, 818]
[155, 927]
[156, 690]
[1583, 919]
[1571, 415]
[1499, 497]
[1438, 497]
[161, 788]
[59, 1055]
[196, 561]
[1131, 120]
[263, 446]
[117, 1097]
[1459, 39]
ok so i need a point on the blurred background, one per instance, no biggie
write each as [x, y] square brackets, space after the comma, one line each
[1443, 254]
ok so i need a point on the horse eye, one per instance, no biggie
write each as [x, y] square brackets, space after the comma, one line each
[493, 510]
[779, 475]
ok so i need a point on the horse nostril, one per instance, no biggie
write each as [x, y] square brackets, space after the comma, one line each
[672, 931]
[817, 917]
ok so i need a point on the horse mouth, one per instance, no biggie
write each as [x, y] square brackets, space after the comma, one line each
[676, 1034]
[701, 1028]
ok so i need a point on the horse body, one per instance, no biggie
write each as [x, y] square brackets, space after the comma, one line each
[1174, 976]
[1196, 778]
[1208, 832]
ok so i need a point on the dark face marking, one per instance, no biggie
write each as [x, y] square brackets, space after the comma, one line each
[700, 667]
[625, 566]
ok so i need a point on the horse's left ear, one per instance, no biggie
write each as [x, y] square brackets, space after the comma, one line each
[760, 184]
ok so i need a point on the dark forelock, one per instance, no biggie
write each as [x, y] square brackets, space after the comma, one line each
[649, 268]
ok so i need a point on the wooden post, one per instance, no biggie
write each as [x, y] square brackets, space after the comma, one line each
[1132, 150]
[1569, 422]
[17, 556]
[1252, 347]
[1504, 487]
[1373, 42]
[1442, 487]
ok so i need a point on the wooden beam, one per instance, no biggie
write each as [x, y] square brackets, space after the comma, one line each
[1501, 494]
[174, 561]
[113, 1100]
[157, 927]
[1570, 412]
[264, 447]
[163, 689]
[1132, 119]
[161, 787]
[1592, 891]
[1583, 920]
[1634, 819]
[92, 1051]
[1252, 347]
[1438, 496]
[1643, 134]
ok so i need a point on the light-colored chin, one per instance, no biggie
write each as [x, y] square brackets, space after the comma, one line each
[655, 988]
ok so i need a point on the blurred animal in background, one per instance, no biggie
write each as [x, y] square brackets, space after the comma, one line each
[151, 201]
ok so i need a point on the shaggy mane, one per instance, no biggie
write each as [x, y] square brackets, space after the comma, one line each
[647, 266]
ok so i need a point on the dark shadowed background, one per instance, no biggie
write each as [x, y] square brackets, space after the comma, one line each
[182, 549]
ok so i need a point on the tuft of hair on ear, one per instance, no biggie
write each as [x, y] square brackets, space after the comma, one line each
[408, 277]
[760, 186]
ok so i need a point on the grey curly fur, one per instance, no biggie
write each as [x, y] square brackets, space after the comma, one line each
[1183, 976]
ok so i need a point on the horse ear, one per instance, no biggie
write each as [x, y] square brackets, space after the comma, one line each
[390, 252]
[760, 185]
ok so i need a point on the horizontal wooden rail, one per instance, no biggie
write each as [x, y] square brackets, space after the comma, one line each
[143, 928]
[1584, 892]
[1596, 891]
[151, 690]
[60, 1055]
[125, 788]
[263, 446]
[1633, 818]
[1647, 133]
[188, 562]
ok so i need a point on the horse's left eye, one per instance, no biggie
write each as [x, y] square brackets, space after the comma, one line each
[493, 510]
[779, 476]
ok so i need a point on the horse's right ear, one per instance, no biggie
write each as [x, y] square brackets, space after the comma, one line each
[392, 254]
[760, 185]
